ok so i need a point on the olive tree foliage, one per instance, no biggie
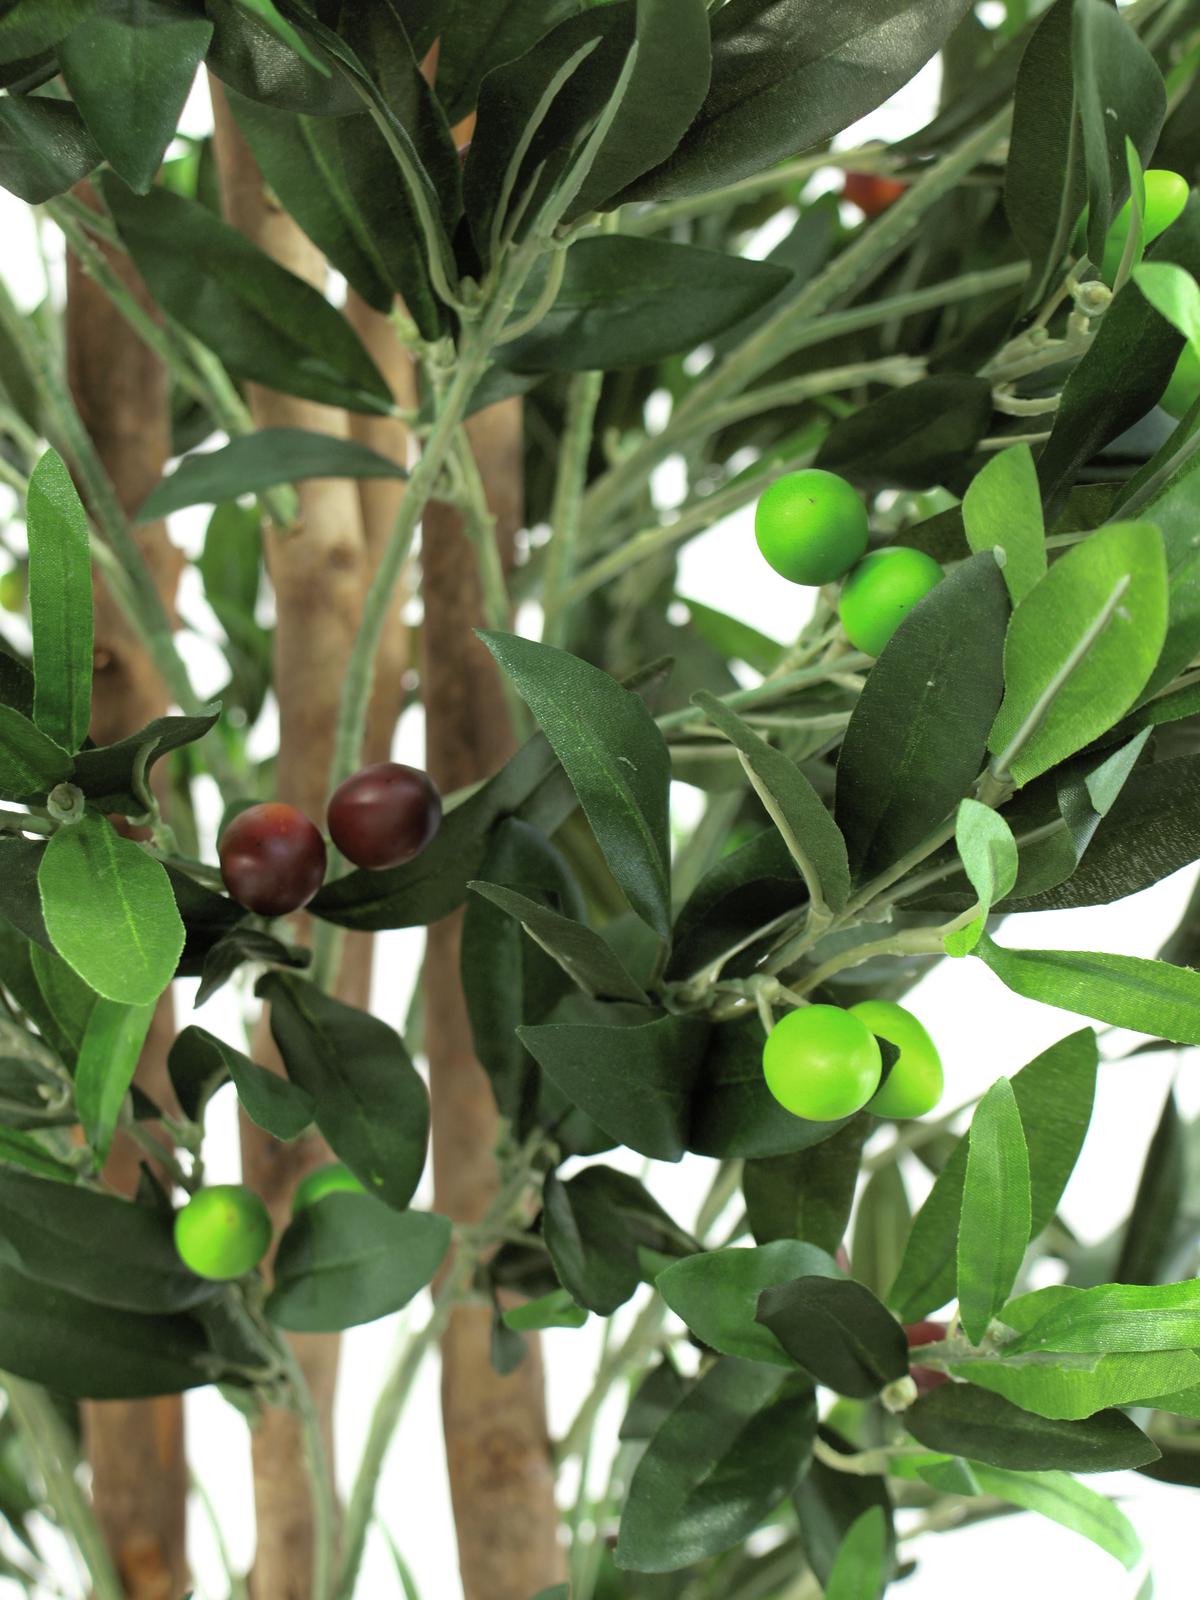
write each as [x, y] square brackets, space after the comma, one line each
[1027, 740]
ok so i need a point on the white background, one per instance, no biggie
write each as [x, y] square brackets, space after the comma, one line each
[982, 1030]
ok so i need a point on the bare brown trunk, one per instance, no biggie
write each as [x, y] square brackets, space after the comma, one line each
[497, 1446]
[135, 1447]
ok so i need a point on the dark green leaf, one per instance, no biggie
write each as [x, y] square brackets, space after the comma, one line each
[731, 1450]
[810, 833]
[31, 26]
[555, 1310]
[1156, 1206]
[106, 1250]
[737, 895]
[808, 1194]
[478, 35]
[583, 955]
[200, 1062]
[632, 1076]
[786, 74]
[838, 1331]
[594, 1227]
[881, 1222]
[31, 762]
[109, 911]
[829, 1502]
[625, 302]
[914, 436]
[995, 1219]
[108, 1058]
[90, 1351]
[264, 323]
[69, 1000]
[240, 945]
[249, 56]
[655, 1397]
[971, 1422]
[615, 757]
[261, 460]
[44, 147]
[917, 739]
[717, 1294]
[371, 1104]
[60, 604]
[349, 1259]
[129, 69]
[22, 1150]
[115, 778]
[1054, 1096]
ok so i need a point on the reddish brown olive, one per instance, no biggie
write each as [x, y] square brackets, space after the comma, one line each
[272, 859]
[384, 815]
[917, 1334]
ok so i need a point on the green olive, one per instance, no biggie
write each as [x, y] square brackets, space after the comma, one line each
[881, 591]
[914, 1085]
[1166, 196]
[811, 526]
[821, 1063]
[1180, 394]
[223, 1231]
[332, 1178]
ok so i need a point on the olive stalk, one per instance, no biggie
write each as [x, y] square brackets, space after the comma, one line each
[583, 396]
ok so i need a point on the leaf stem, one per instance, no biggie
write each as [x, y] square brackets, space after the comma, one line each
[583, 396]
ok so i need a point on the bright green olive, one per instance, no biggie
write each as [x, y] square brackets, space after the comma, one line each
[13, 587]
[1181, 393]
[811, 526]
[914, 1085]
[821, 1063]
[881, 591]
[1166, 196]
[223, 1231]
[332, 1178]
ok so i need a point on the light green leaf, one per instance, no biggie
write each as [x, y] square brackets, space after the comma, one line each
[1063, 1499]
[1002, 513]
[60, 604]
[859, 1571]
[995, 1218]
[1119, 1317]
[1128, 991]
[813, 838]
[108, 1059]
[716, 1293]
[1080, 647]
[1079, 1386]
[1173, 293]
[110, 911]
[988, 853]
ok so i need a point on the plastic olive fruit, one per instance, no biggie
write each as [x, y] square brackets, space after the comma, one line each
[811, 526]
[821, 1063]
[1166, 196]
[272, 859]
[881, 591]
[914, 1085]
[871, 193]
[384, 815]
[13, 587]
[916, 1334]
[332, 1178]
[1181, 393]
[223, 1232]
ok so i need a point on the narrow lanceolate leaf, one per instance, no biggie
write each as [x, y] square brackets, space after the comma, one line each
[988, 853]
[595, 1226]
[129, 69]
[918, 736]
[1128, 991]
[813, 838]
[966, 1421]
[1054, 1095]
[731, 1450]
[1149, 1234]
[60, 604]
[995, 1218]
[1116, 1317]
[1074, 1386]
[1002, 516]
[44, 147]
[31, 762]
[838, 1331]
[260, 460]
[808, 1194]
[264, 322]
[717, 1294]
[108, 1058]
[786, 74]
[370, 1101]
[615, 757]
[1080, 647]
[586, 958]
[110, 911]
[348, 1260]
[1063, 1499]
[200, 1062]
[860, 1571]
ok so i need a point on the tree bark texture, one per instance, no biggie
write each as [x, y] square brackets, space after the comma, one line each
[136, 1449]
[497, 1446]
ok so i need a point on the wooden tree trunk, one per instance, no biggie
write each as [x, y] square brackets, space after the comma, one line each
[135, 1446]
[497, 1446]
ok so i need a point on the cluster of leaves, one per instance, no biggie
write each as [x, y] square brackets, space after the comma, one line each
[1026, 741]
